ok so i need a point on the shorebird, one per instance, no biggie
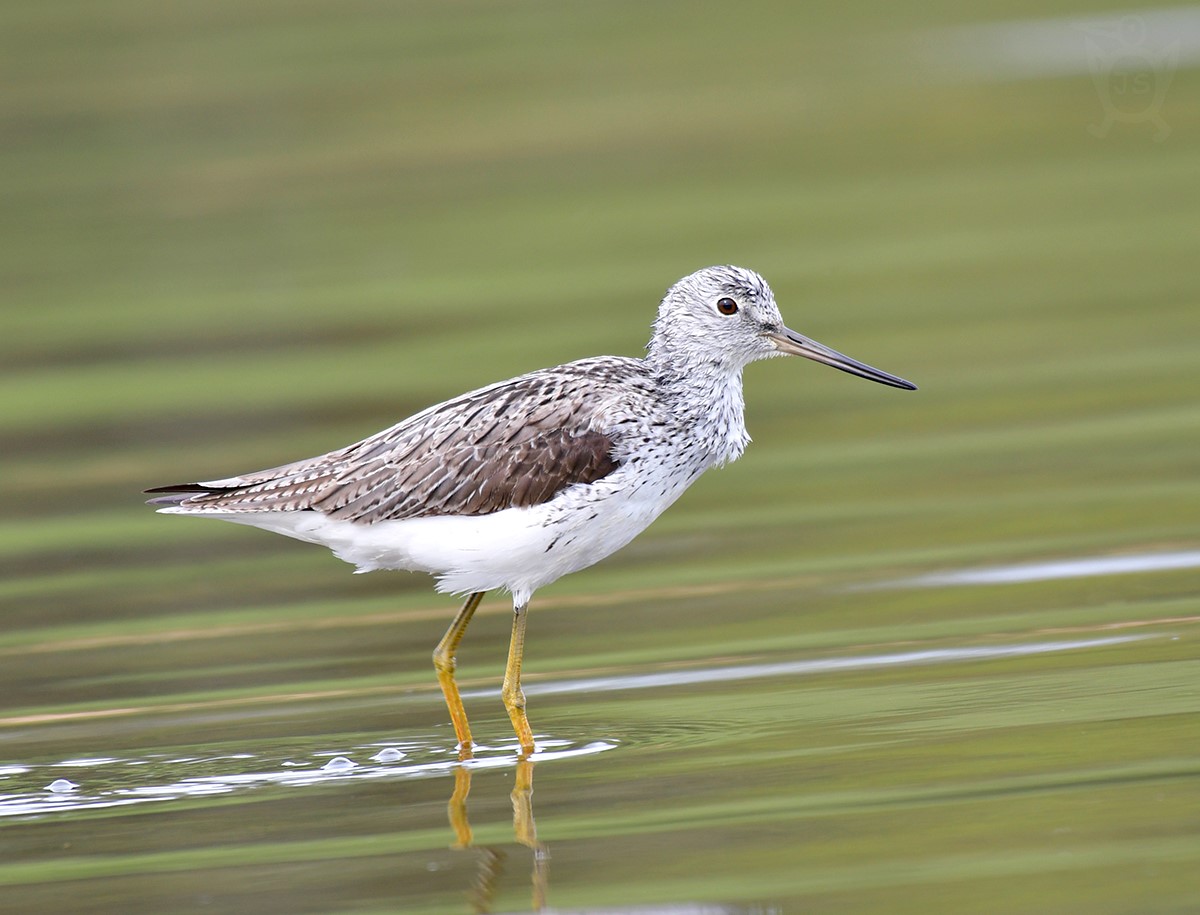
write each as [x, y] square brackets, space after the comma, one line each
[518, 483]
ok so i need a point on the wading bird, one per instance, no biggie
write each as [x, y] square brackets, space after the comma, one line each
[516, 484]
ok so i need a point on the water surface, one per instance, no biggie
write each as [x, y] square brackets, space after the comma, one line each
[916, 652]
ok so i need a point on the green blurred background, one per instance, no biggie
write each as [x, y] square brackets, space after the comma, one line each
[234, 234]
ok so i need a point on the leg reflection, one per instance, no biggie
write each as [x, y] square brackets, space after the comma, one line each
[526, 831]
[491, 864]
[457, 808]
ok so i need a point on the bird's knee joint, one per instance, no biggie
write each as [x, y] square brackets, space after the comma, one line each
[444, 662]
[513, 698]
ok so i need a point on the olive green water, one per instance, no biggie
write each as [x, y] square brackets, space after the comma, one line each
[236, 235]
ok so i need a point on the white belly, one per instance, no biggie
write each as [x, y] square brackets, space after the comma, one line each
[518, 549]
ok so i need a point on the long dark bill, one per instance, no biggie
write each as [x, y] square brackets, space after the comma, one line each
[794, 344]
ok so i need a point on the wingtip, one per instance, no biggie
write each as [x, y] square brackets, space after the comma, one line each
[179, 487]
[175, 494]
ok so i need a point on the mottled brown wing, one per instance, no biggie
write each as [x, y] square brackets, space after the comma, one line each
[467, 480]
[513, 444]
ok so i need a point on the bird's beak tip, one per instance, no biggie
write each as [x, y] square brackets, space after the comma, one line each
[794, 344]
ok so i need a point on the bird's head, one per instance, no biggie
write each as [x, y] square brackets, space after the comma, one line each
[727, 317]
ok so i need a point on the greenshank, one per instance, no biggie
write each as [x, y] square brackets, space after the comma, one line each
[516, 484]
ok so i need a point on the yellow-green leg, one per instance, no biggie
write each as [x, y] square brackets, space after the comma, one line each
[443, 663]
[512, 694]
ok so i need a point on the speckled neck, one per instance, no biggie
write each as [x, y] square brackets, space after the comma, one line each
[706, 398]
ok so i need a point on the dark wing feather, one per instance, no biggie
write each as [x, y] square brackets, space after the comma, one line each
[471, 480]
[514, 444]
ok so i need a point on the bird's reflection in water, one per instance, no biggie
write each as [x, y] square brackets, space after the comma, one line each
[491, 862]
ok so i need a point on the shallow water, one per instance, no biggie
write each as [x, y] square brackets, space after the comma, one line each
[1048, 769]
[927, 652]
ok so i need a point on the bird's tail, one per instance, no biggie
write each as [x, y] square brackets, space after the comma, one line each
[178, 493]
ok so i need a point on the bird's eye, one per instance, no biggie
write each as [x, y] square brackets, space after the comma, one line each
[727, 306]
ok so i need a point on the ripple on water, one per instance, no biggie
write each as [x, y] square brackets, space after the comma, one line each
[33, 789]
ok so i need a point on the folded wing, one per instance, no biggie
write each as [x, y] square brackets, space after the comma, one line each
[514, 444]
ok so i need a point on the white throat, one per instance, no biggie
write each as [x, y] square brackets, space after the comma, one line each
[706, 397]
